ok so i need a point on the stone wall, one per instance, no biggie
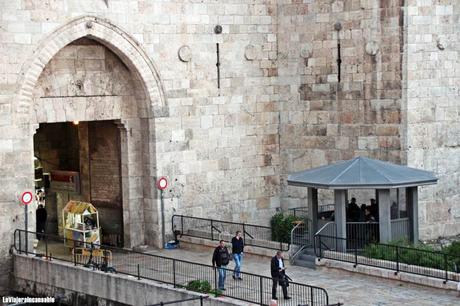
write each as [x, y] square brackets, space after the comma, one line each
[219, 148]
[105, 178]
[280, 108]
[82, 286]
[432, 111]
[324, 120]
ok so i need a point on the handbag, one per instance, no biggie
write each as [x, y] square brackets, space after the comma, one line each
[284, 281]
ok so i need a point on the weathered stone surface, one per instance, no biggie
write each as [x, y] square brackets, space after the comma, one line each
[226, 152]
[38, 277]
[432, 111]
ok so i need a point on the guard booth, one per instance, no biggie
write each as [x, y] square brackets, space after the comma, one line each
[365, 173]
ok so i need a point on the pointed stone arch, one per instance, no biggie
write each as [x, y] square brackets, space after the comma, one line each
[110, 35]
[136, 132]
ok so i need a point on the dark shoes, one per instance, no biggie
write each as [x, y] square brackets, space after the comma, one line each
[287, 297]
[235, 278]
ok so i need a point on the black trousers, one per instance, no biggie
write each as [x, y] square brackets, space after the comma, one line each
[40, 229]
[275, 284]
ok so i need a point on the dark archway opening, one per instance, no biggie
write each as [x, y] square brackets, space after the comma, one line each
[81, 161]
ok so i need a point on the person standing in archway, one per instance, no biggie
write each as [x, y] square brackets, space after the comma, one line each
[41, 216]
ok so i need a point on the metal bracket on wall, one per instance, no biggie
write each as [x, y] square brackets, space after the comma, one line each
[218, 66]
[337, 28]
[339, 59]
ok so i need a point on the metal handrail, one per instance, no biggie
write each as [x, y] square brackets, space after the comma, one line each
[323, 228]
[294, 229]
[173, 270]
[296, 253]
[319, 245]
[397, 258]
[253, 235]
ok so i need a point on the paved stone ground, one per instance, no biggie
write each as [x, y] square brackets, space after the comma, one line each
[342, 286]
[345, 287]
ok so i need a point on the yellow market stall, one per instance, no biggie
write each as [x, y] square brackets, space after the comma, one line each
[81, 225]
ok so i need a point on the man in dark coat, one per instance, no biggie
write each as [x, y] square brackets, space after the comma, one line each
[41, 216]
[221, 258]
[278, 269]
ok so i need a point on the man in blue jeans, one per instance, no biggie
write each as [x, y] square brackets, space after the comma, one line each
[237, 250]
[221, 258]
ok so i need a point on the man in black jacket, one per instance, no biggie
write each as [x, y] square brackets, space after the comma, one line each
[221, 258]
[278, 268]
[237, 250]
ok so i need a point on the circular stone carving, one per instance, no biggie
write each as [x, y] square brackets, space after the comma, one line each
[250, 52]
[185, 53]
[372, 47]
[440, 44]
[89, 24]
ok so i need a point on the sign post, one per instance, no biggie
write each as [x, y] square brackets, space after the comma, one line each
[26, 199]
[162, 183]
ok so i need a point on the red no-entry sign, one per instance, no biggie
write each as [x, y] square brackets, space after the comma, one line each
[162, 183]
[27, 197]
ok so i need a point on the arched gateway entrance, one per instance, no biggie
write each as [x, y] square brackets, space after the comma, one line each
[88, 100]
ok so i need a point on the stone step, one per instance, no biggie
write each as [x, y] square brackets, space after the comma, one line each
[309, 251]
[305, 264]
[307, 257]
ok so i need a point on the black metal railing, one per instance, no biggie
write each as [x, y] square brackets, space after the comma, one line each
[200, 298]
[299, 212]
[326, 208]
[253, 235]
[392, 257]
[360, 234]
[252, 288]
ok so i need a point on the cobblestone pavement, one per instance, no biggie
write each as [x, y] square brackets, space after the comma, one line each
[345, 287]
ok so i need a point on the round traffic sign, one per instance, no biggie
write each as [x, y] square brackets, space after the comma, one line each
[162, 183]
[26, 197]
